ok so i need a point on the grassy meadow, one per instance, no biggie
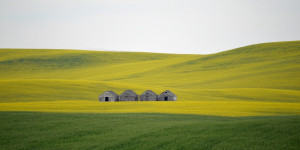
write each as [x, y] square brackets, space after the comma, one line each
[146, 131]
[245, 98]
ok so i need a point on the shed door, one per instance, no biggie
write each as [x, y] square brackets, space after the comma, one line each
[166, 98]
[106, 99]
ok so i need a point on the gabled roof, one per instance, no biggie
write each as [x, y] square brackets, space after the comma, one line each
[111, 92]
[128, 92]
[149, 92]
[167, 92]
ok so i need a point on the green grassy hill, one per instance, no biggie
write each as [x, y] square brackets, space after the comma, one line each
[146, 131]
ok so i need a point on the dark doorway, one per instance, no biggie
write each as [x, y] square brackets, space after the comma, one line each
[166, 98]
[106, 99]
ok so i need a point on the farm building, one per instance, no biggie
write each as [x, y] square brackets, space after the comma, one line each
[167, 96]
[148, 95]
[108, 96]
[128, 95]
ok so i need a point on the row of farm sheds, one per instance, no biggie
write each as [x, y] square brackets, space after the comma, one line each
[129, 95]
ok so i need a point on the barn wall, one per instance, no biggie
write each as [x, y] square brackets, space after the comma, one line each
[150, 98]
[170, 96]
[128, 98]
[128, 95]
[112, 97]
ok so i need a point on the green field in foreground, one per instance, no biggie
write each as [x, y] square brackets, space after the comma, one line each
[26, 130]
[262, 79]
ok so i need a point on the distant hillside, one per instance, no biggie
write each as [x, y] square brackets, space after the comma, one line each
[263, 66]
[264, 72]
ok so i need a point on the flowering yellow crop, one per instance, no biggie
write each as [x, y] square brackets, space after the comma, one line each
[249, 81]
[219, 108]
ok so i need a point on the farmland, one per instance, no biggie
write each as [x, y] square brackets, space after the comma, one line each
[247, 97]
[26, 130]
[263, 77]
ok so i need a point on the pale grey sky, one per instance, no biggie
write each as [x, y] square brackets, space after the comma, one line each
[165, 26]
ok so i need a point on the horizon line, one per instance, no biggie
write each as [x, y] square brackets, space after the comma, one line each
[127, 51]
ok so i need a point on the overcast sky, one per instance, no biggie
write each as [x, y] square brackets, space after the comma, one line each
[165, 26]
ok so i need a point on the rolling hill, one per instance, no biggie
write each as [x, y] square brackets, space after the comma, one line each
[245, 98]
[260, 79]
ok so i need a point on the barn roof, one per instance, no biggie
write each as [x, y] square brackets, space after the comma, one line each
[167, 92]
[128, 92]
[111, 92]
[148, 92]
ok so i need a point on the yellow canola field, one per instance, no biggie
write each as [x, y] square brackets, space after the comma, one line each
[255, 80]
[216, 108]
